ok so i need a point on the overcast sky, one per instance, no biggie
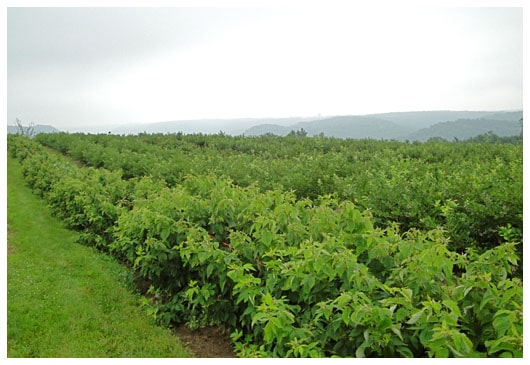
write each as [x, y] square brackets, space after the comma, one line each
[76, 68]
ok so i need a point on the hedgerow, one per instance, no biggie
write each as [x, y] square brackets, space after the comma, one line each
[472, 190]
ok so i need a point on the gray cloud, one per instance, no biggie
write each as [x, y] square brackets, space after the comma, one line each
[40, 37]
[74, 66]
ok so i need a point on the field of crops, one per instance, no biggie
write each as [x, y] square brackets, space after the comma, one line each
[304, 247]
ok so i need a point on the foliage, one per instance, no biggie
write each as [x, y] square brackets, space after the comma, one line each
[396, 261]
[472, 190]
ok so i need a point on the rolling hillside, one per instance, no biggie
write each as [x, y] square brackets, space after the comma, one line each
[412, 126]
[340, 127]
[402, 126]
[467, 128]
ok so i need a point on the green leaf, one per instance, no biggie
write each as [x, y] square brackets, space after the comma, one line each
[425, 336]
[308, 282]
[210, 268]
[248, 267]
[440, 352]
[343, 299]
[397, 332]
[266, 237]
[407, 294]
[359, 353]
[269, 332]
[415, 317]
[259, 318]
[405, 351]
[462, 343]
[346, 315]
[453, 306]
[486, 299]
[164, 234]
[501, 323]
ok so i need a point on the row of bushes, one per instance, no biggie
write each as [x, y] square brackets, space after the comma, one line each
[469, 189]
[288, 276]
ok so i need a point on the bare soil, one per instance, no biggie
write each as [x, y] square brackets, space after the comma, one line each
[10, 249]
[10, 234]
[205, 342]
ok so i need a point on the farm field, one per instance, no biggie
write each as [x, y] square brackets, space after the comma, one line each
[303, 247]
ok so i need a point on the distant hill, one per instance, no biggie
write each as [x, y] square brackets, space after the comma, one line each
[39, 128]
[412, 126]
[262, 129]
[357, 127]
[424, 119]
[467, 128]
[341, 127]
[207, 126]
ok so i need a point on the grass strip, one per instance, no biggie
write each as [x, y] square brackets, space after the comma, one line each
[65, 299]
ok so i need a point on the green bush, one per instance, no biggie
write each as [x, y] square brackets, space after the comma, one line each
[321, 277]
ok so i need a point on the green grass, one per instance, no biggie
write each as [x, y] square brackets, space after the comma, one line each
[65, 299]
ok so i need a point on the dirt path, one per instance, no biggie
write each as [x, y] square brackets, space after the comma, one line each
[208, 342]
[205, 342]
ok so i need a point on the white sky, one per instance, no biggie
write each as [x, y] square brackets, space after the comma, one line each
[91, 67]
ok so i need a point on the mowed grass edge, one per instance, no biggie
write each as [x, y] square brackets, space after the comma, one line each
[65, 299]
